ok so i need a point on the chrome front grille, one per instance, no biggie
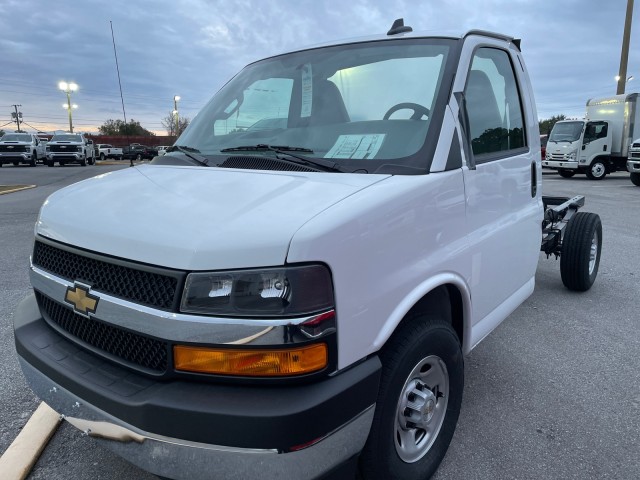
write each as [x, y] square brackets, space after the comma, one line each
[154, 287]
[135, 350]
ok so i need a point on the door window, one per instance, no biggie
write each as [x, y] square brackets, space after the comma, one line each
[494, 108]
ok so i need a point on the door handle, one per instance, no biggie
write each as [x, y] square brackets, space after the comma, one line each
[534, 179]
[604, 148]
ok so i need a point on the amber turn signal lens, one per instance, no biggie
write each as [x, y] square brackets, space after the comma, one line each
[251, 363]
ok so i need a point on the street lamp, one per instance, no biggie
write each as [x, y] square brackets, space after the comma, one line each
[176, 98]
[68, 88]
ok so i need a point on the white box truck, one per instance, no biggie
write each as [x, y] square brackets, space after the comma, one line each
[599, 144]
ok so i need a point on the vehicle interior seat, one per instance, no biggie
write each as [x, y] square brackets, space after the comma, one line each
[327, 105]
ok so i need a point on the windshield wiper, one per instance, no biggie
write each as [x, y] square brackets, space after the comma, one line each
[283, 152]
[264, 146]
[190, 152]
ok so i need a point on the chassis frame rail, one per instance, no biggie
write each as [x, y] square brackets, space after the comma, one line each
[557, 213]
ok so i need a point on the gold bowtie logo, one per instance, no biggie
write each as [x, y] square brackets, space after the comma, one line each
[82, 300]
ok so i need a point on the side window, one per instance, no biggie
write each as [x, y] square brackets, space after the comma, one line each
[594, 131]
[493, 104]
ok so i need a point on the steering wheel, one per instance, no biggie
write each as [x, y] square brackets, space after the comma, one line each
[418, 110]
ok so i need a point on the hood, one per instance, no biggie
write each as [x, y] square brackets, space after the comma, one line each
[193, 218]
[563, 147]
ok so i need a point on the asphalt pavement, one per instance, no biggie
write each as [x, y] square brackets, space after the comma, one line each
[552, 393]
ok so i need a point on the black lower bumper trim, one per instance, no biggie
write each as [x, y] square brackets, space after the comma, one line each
[245, 416]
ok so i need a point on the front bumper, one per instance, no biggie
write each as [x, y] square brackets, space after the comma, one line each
[633, 166]
[183, 429]
[15, 157]
[556, 164]
[66, 157]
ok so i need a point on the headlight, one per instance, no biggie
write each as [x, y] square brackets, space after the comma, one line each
[547, 155]
[80, 148]
[271, 292]
[47, 148]
[572, 155]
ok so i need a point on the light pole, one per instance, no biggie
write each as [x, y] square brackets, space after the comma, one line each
[68, 88]
[176, 98]
[624, 53]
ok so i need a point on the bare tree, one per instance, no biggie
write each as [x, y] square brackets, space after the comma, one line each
[169, 123]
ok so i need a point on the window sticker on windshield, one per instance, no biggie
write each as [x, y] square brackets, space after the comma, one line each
[307, 90]
[356, 146]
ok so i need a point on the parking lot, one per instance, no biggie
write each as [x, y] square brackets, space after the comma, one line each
[554, 392]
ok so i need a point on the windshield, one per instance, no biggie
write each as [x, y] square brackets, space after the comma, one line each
[15, 137]
[566, 132]
[363, 105]
[66, 138]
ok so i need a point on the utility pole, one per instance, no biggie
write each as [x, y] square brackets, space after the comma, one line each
[624, 55]
[16, 115]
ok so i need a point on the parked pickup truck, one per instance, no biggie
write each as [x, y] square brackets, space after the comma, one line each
[633, 162]
[17, 148]
[139, 152]
[104, 151]
[290, 301]
[70, 148]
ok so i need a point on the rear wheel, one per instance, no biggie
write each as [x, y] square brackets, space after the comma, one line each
[581, 248]
[635, 179]
[597, 170]
[15, 164]
[418, 402]
[566, 173]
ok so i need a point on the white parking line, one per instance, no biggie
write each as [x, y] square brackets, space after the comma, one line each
[18, 460]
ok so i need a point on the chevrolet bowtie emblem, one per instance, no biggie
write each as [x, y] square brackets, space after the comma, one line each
[82, 300]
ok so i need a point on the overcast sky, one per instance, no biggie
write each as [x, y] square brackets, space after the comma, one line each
[192, 47]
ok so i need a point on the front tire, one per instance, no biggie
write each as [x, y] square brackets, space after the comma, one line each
[597, 170]
[635, 179]
[34, 159]
[418, 402]
[102, 157]
[581, 249]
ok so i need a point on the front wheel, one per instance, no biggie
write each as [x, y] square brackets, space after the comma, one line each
[635, 179]
[581, 248]
[418, 402]
[102, 157]
[597, 170]
[566, 173]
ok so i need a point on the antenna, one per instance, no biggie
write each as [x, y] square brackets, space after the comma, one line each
[115, 54]
[398, 27]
